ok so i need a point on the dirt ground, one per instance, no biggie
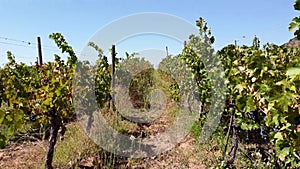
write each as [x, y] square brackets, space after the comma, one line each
[31, 155]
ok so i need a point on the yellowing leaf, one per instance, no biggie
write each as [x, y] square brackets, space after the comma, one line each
[278, 136]
[283, 152]
[8, 117]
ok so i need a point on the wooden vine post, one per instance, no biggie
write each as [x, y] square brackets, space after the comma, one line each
[113, 55]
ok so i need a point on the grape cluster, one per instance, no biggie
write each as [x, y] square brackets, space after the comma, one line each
[253, 115]
[32, 117]
[258, 135]
[297, 123]
[52, 112]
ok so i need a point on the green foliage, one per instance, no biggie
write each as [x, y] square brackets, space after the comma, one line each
[136, 75]
[38, 93]
[196, 129]
[206, 86]
[297, 5]
[103, 77]
[295, 24]
[62, 44]
[262, 79]
[140, 87]
[258, 81]
[130, 67]
[19, 83]
[172, 68]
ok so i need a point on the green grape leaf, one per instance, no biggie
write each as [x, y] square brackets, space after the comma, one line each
[3, 141]
[282, 153]
[9, 118]
[278, 136]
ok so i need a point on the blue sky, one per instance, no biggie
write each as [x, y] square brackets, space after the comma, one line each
[79, 20]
